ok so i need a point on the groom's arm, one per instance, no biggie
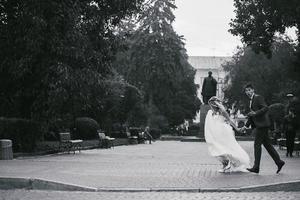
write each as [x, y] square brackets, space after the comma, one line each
[263, 107]
[249, 122]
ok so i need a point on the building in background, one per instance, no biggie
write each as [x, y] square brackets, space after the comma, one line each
[204, 64]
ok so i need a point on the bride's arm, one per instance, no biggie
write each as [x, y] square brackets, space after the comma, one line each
[226, 115]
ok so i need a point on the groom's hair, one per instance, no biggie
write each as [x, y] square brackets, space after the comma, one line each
[248, 85]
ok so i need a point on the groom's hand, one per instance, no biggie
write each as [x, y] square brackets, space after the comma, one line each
[238, 130]
[243, 129]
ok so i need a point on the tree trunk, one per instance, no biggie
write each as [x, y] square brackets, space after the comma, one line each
[150, 109]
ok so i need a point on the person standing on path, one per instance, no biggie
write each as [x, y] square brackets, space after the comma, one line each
[147, 134]
[290, 126]
[259, 120]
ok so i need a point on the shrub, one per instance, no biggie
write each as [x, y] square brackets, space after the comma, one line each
[134, 131]
[155, 133]
[23, 133]
[85, 128]
[277, 112]
[119, 134]
[54, 127]
[194, 129]
[118, 131]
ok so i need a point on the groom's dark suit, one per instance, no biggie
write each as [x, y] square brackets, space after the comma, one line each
[260, 123]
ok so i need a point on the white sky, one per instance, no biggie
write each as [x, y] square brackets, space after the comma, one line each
[204, 24]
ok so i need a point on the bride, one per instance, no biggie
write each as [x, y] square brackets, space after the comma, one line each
[220, 138]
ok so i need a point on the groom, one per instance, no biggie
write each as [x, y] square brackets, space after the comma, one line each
[259, 120]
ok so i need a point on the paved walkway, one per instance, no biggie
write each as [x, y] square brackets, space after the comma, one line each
[161, 165]
[63, 195]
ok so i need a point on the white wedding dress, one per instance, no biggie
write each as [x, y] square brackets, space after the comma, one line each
[221, 142]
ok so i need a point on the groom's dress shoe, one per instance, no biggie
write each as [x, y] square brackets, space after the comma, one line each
[280, 165]
[254, 170]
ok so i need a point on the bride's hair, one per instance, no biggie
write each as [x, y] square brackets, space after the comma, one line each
[213, 103]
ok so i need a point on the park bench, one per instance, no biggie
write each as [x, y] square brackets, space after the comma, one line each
[281, 143]
[67, 144]
[105, 141]
[136, 135]
[133, 139]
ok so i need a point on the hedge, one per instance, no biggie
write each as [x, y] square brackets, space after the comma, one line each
[23, 133]
[85, 128]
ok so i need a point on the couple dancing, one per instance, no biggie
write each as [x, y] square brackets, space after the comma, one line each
[219, 135]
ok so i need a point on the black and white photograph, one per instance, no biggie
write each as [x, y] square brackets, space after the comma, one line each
[149, 99]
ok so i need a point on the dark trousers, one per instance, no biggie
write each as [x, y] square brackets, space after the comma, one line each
[290, 140]
[262, 138]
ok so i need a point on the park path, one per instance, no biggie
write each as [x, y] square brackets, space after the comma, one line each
[163, 164]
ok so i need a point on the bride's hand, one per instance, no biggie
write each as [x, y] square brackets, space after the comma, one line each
[242, 129]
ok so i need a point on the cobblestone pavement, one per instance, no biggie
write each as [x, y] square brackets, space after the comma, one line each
[57, 195]
[163, 164]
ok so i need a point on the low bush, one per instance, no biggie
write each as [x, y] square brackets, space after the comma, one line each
[23, 133]
[277, 112]
[56, 126]
[85, 128]
[118, 134]
[194, 129]
[194, 126]
[155, 133]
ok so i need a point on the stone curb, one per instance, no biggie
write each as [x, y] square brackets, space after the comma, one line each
[42, 184]
[253, 188]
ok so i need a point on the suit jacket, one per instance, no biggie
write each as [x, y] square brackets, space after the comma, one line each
[261, 118]
[290, 123]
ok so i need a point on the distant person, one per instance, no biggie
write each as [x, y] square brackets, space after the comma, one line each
[209, 87]
[148, 135]
[294, 104]
[290, 102]
[259, 120]
[290, 126]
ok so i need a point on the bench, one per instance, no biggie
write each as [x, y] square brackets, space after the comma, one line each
[133, 139]
[137, 136]
[281, 143]
[65, 143]
[105, 141]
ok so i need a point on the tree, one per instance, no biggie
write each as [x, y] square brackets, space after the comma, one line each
[269, 76]
[257, 21]
[157, 65]
[56, 56]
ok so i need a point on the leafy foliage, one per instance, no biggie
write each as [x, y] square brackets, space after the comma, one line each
[56, 57]
[23, 133]
[257, 21]
[156, 63]
[85, 128]
[270, 77]
[277, 113]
